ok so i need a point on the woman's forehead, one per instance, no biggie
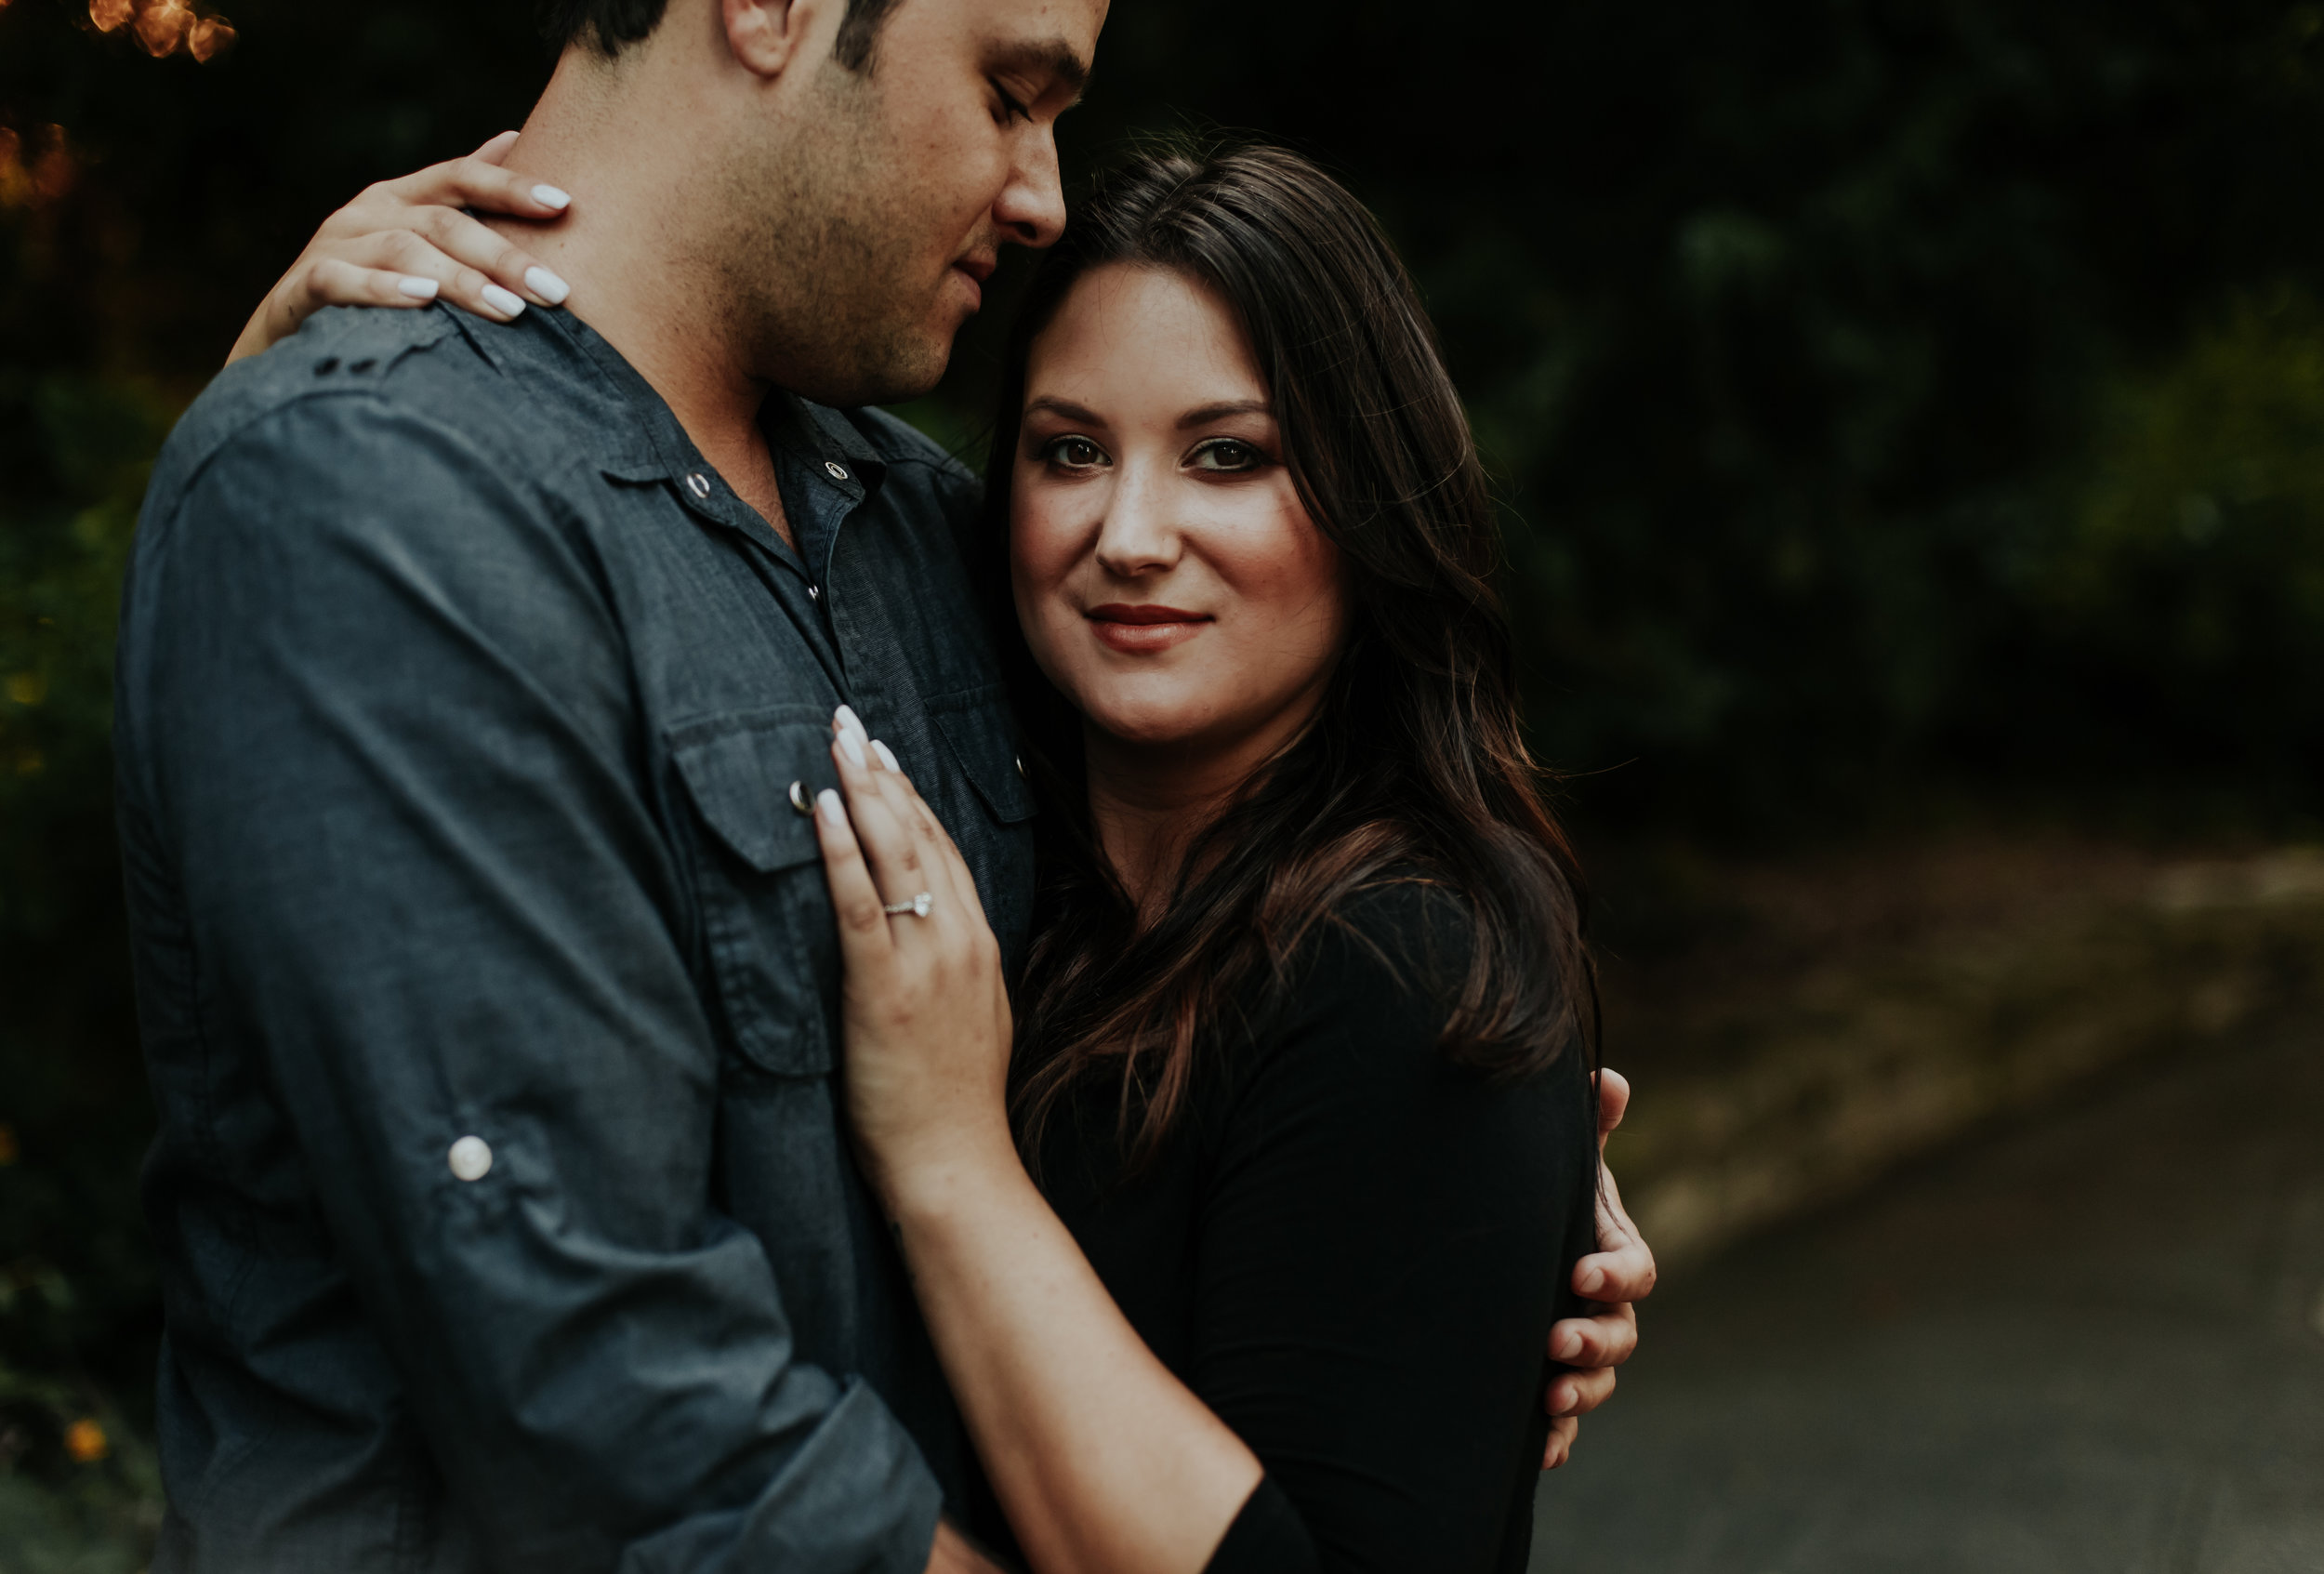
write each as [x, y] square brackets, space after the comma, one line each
[1142, 341]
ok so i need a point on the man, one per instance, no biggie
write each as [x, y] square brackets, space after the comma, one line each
[486, 974]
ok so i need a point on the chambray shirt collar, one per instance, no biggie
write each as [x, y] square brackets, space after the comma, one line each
[833, 467]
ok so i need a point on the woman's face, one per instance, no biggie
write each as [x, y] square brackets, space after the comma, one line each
[1169, 580]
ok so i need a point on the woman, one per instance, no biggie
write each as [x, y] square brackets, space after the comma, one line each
[1245, 1259]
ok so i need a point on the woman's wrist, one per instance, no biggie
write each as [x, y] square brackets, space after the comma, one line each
[946, 1178]
[253, 338]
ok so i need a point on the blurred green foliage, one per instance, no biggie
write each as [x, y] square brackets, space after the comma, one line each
[76, 1289]
[2191, 578]
[1889, 400]
[1790, 330]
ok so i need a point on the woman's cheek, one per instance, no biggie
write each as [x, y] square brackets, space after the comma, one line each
[1039, 567]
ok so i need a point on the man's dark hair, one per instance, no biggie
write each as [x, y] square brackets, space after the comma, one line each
[609, 25]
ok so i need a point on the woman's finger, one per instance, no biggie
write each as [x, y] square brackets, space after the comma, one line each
[896, 788]
[865, 940]
[497, 149]
[947, 874]
[923, 818]
[483, 184]
[1561, 1445]
[1605, 1340]
[337, 281]
[479, 247]
[1623, 1267]
[1613, 1101]
[467, 288]
[922, 815]
[1578, 1393]
[889, 846]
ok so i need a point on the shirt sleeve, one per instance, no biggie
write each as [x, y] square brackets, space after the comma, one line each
[1378, 1257]
[374, 699]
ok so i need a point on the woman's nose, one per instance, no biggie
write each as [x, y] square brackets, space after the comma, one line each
[1136, 537]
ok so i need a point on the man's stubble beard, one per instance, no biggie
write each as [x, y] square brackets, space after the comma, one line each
[818, 261]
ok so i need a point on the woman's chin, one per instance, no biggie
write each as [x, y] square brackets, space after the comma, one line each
[1149, 726]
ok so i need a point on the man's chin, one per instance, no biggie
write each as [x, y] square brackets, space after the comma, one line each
[906, 370]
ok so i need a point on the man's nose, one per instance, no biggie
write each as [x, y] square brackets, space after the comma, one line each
[1032, 206]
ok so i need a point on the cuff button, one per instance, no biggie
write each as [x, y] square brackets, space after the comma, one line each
[472, 1158]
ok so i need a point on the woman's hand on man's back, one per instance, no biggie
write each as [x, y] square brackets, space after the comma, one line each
[1619, 1274]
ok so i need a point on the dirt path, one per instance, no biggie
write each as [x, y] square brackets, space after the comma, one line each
[2093, 1342]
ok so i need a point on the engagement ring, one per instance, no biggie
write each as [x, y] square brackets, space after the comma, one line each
[917, 907]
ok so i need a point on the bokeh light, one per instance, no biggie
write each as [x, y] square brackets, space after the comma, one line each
[36, 168]
[163, 27]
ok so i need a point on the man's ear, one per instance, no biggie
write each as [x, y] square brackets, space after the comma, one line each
[768, 37]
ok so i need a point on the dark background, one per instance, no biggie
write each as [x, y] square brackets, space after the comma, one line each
[1908, 415]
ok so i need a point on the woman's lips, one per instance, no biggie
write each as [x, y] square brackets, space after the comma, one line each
[1140, 630]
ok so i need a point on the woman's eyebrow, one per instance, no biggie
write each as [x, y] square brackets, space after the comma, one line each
[1067, 408]
[1204, 414]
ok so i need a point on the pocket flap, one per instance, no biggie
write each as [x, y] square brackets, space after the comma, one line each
[740, 769]
[977, 724]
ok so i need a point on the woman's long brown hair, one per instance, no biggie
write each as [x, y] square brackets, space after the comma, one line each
[1414, 767]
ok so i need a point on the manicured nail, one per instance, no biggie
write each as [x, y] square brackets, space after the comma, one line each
[549, 196]
[419, 289]
[507, 302]
[850, 722]
[546, 285]
[853, 748]
[887, 756]
[1568, 1347]
[1594, 1281]
[827, 804]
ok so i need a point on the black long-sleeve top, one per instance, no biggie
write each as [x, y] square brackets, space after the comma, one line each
[1352, 1251]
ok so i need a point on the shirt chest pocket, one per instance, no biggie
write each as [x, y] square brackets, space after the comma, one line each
[766, 911]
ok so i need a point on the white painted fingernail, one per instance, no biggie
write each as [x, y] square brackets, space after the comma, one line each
[546, 285]
[419, 289]
[853, 748]
[828, 805]
[507, 302]
[887, 756]
[549, 196]
[848, 722]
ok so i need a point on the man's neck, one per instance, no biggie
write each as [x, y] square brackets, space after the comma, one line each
[637, 252]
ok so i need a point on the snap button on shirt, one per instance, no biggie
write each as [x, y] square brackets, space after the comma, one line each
[698, 485]
[472, 1158]
[837, 470]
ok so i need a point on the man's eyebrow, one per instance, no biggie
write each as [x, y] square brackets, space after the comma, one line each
[1067, 408]
[1051, 57]
[1205, 415]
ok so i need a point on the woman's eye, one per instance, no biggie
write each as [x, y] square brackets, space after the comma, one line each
[1073, 453]
[1227, 454]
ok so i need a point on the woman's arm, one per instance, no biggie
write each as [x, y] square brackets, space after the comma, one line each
[1100, 1458]
[403, 243]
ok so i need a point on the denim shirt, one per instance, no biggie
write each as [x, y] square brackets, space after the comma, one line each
[486, 970]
